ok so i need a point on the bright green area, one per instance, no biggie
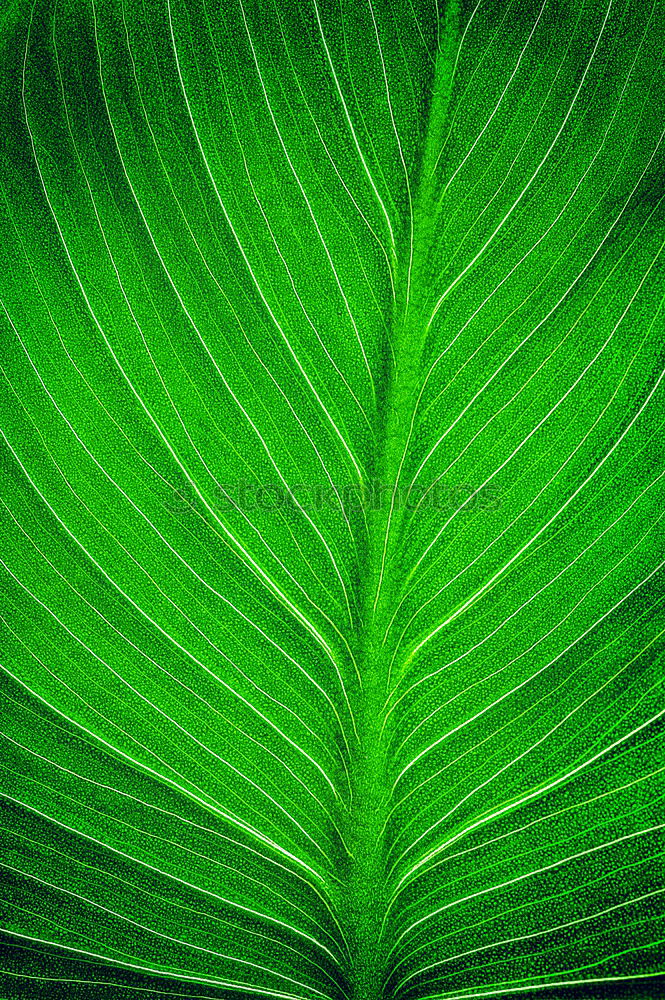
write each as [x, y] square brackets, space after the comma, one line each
[332, 488]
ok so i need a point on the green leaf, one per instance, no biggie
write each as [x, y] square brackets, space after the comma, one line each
[332, 487]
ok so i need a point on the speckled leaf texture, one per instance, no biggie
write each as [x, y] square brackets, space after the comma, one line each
[332, 497]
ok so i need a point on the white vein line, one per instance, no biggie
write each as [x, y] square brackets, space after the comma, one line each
[227, 687]
[228, 814]
[533, 597]
[515, 832]
[162, 539]
[244, 253]
[514, 521]
[246, 556]
[535, 934]
[208, 586]
[528, 797]
[305, 313]
[307, 202]
[296, 746]
[338, 172]
[169, 875]
[225, 382]
[541, 491]
[503, 221]
[192, 824]
[520, 878]
[182, 789]
[466, 604]
[454, 73]
[353, 131]
[208, 269]
[498, 104]
[189, 735]
[477, 311]
[561, 299]
[542, 739]
[169, 972]
[399, 149]
[550, 695]
[162, 812]
[556, 984]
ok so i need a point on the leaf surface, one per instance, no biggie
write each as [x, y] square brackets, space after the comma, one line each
[332, 496]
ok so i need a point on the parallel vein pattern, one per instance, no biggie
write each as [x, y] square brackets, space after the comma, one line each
[332, 490]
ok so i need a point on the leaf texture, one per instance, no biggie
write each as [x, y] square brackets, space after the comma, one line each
[332, 497]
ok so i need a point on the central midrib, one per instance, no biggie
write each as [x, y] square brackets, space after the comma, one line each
[382, 579]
